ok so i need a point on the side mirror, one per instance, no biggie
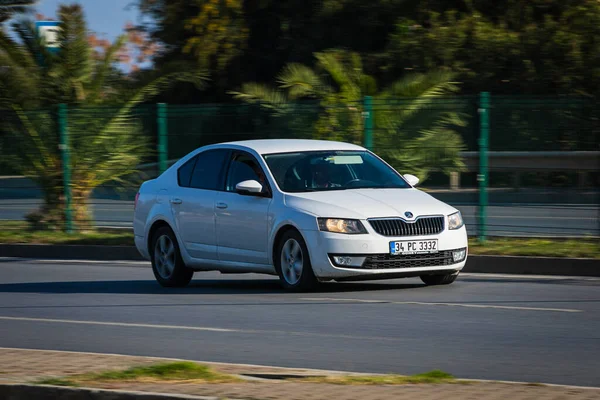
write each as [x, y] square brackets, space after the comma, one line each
[411, 179]
[249, 188]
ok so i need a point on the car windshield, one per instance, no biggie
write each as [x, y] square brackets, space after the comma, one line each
[331, 170]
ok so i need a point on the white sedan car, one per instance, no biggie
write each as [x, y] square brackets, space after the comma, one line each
[305, 210]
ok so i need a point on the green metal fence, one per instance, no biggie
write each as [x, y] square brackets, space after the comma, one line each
[80, 147]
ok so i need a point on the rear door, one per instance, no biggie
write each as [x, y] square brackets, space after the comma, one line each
[194, 204]
[242, 220]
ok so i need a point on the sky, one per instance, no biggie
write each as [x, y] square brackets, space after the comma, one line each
[105, 17]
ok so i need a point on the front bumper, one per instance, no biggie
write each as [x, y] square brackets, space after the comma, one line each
[375, 248]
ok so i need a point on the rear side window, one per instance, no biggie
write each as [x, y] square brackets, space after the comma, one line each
[209, 169]
[184, 173]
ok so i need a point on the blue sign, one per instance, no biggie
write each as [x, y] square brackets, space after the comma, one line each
[49, 31]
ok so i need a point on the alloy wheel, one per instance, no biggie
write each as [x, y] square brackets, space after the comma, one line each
[164, 256]
[292, 261]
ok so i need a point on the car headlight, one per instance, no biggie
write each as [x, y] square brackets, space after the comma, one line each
[455, 221]
[350, 226]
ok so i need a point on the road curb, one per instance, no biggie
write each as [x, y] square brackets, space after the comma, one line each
[71, 252]
[47, 392]
[476, 263]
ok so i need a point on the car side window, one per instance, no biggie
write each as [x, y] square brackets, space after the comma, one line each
[208, 170]
[184, 173]
[244, 167]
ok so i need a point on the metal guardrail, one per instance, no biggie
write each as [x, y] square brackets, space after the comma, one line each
[535, 161]
[518, 162]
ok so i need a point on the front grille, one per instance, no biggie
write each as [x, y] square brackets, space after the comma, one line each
[386, 261]
[399, 227]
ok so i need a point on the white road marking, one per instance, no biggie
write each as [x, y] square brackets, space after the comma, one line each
[209, 329]
[122, 324]
[442, 304]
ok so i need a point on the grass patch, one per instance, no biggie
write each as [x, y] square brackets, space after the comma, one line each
[584, 248]
[183, 370]
[18, 232]
[432, 377]
[173, 371]
[57, 382]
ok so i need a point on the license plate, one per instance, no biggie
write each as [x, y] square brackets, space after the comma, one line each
[414, 247]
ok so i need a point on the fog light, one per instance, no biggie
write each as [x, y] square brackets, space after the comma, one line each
[348, 261]
[459, 255]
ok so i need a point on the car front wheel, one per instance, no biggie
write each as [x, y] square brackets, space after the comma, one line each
[431, 280]
[167, 264]
[293, 263]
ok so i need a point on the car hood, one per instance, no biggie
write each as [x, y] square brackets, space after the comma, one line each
[367, 203]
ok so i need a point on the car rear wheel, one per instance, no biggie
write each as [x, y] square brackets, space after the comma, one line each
[431, 280]
[167, 264]
[293, 263]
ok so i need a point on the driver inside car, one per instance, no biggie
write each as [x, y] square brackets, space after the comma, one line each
[322, 176]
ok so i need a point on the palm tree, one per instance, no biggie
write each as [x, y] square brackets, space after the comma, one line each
[10, 7]
[106, 142]
[414, 119]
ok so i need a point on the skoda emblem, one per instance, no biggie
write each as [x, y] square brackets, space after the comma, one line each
[408, 214]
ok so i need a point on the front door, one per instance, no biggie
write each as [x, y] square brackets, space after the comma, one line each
[242, 220]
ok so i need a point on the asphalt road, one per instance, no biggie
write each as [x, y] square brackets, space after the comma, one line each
[490, 327]
[508, 220]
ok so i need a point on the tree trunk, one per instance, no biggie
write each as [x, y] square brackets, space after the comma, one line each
[51, 214]
[82, 216]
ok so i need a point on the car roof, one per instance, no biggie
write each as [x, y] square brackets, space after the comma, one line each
[269, 146]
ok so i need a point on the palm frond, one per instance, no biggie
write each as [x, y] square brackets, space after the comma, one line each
[11, 7]
[266, 97]
[15, 51]
[17, 85]
[300, 81]
[149, 90]
[347, 79]
[435, 83]
[423, 89]
[74, 66]
[39, 156]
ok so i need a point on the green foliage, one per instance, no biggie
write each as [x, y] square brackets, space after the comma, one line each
[533, 47]
[217, 33]
[10, 7]
[415, 129]
[501, 46]
[413, 122]
[106, 143]
[179, 370]
[171, 371]
[569, 248]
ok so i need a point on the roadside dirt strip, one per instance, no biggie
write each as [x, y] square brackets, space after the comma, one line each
[22, 370]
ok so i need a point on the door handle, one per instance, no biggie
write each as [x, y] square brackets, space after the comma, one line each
[221, 205]
[176, 201]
